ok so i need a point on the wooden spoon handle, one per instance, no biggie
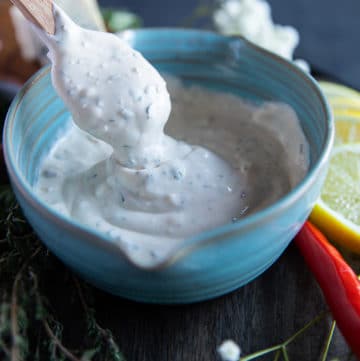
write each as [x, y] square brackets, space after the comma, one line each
[39, 12]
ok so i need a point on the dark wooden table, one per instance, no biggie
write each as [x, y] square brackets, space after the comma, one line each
[263, 313]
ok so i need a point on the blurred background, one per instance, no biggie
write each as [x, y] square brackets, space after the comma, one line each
[328, 29]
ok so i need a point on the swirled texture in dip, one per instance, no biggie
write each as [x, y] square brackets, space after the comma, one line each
[116, 171]
[245, 157]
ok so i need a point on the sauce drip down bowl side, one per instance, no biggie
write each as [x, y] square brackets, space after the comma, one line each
[211, 263]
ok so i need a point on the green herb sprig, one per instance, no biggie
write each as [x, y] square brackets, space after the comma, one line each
[280, 351]
[30, 329]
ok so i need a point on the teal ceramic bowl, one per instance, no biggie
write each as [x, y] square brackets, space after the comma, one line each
[212, 263]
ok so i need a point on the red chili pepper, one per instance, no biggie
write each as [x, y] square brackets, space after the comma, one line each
[340, 285]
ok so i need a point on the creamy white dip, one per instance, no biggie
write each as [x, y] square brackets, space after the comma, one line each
[220, 159]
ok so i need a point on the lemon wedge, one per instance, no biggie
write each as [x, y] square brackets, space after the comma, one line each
[337, 212]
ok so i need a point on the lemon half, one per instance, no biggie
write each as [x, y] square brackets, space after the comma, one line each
[337, 212]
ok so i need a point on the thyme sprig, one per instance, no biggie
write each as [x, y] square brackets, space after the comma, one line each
[280, 351]
[30, 327]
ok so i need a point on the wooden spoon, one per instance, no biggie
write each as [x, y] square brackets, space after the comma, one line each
[39, 12]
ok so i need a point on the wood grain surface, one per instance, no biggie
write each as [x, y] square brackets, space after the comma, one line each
[39, 12]
[263, 313]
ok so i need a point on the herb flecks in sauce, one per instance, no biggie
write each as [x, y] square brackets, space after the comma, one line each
[155, 208]
[142, 188]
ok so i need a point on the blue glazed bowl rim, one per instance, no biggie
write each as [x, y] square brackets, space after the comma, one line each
[203, 239]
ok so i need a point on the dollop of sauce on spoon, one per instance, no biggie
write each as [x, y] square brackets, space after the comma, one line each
[112, 92]
[116, 171]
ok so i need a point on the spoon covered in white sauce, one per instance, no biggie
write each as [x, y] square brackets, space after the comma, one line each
[112, 92]
[38, 12]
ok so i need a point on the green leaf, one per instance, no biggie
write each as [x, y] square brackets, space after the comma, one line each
[118, 20]
[89, 354]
